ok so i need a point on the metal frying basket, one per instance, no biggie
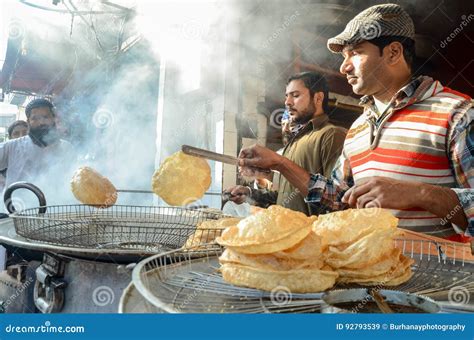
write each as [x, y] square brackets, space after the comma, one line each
[147, 229]
[175, 282]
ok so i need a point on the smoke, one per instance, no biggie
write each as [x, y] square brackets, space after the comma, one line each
[141, 83]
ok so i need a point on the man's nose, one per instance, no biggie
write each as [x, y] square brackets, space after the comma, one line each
[43, 120]
[288, 101]
[346, 66]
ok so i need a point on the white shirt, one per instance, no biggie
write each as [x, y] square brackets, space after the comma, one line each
[381, 106]
[50, 168]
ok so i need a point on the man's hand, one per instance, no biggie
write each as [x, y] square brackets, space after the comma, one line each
[383, 193]
[258, 156]
[238, 193]
[395, 194]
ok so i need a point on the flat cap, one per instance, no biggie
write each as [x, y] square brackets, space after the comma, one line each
[376, 21]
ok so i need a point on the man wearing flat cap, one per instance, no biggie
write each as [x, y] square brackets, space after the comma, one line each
[410, 151]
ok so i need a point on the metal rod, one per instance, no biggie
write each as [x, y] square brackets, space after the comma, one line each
[130, 191]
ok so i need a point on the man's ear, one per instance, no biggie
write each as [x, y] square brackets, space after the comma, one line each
[394, 52]
[318, 99]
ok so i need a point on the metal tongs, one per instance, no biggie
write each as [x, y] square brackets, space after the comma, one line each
[214, 156]
[380, 301]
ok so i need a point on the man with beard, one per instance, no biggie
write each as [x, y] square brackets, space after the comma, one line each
[314, 143]
[412, 149]
[40, 157]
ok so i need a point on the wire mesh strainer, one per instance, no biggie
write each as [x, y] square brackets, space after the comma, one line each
[147, 229]
[120, 226]
[175, 282]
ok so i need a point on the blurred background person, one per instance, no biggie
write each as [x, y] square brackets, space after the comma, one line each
[17, 129]
[41, 157]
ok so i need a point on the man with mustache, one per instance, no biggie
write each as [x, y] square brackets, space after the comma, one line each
[313, 142]
[39, 155]
[412, 149]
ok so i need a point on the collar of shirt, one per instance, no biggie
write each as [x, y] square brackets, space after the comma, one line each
[407, 95]
[319, 121]
[314, 124]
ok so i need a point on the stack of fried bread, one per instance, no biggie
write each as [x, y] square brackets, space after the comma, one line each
[359, 244]
[275, 247]
[207, 231]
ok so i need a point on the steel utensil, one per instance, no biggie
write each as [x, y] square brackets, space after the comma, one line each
[214, 156]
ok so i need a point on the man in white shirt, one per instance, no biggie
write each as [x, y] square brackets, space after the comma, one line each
[41, 157]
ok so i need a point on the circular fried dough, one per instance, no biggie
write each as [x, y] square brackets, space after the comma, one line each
[181, 179]
[207, 231]
[268, 231]
[366, 251]
[272, 247]
[308, 248]
[219, 224]
[348, 226]
[268, 261]
[398, 274]
[90, 187]
[384, 265]
[297, 281]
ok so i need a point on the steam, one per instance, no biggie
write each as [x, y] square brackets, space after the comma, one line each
[121, 121]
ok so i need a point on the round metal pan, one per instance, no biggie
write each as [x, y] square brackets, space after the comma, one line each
[32, 250]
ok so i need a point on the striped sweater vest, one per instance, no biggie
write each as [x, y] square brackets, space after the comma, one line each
[412, 146]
